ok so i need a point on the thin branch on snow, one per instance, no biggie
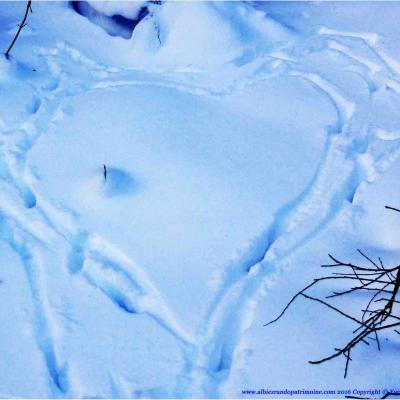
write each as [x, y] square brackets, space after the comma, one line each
[21, 26]
[392, 208]
[379, 314]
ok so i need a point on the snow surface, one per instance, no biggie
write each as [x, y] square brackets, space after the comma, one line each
[244, 142]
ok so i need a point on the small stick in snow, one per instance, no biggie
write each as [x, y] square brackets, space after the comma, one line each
[21, 26]
[392, 208]
[105, 172]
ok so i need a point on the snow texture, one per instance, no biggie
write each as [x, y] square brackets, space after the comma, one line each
[243, 142]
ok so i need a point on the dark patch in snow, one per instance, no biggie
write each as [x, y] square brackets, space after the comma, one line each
[224, 363]
[76, 257]
[28, 197]
[117, 297]
[34, 106]
[115, 25]
[121, 303]
[118, 183]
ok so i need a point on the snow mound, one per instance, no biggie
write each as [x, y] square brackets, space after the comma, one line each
[188, 35]
[116, 18]
[203, 34]
[127, 9]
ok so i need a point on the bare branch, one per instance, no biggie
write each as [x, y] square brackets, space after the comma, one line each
[377, 316]
[21, 26]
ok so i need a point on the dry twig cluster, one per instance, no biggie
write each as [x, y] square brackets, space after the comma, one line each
[381, 312]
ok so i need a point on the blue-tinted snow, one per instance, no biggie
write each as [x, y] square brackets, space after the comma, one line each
[243, 143]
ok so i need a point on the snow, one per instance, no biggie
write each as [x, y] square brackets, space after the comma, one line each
[204, 35]
[127, 9]
[243, 143]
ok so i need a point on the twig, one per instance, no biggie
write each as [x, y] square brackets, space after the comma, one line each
[392, 208]
[21, 26]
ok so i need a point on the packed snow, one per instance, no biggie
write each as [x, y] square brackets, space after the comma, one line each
[243, 142]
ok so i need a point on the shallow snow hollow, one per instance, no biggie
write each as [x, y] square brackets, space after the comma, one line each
[203, 174]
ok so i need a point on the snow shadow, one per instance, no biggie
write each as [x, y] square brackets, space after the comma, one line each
[115, 25]
[118, 183]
